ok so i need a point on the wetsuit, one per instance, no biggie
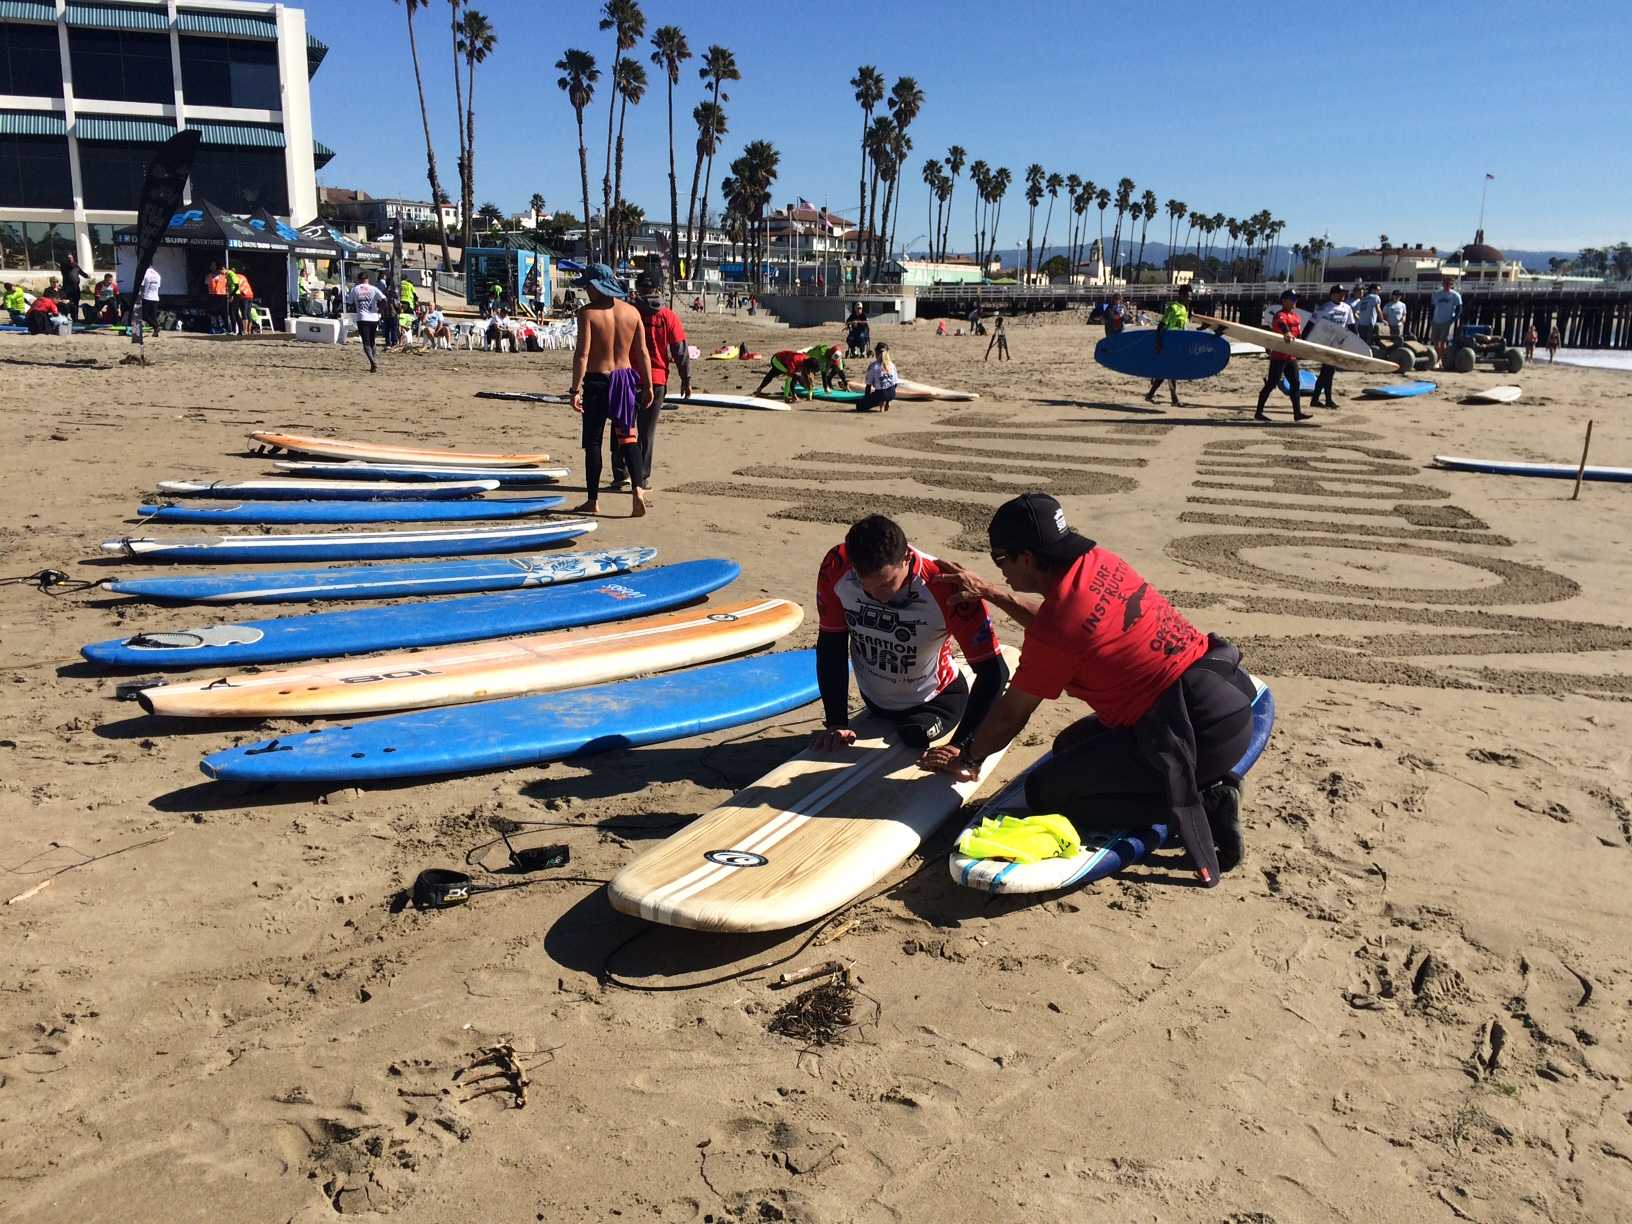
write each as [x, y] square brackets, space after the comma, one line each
[1283, 367]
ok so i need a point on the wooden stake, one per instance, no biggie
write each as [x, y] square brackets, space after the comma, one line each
[1581, 472]
[24, 896]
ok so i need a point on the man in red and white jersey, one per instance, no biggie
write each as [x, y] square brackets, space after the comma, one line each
[883, 608]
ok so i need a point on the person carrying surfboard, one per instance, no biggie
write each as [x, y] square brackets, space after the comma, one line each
[883, 609]
[1175, 318]
[611, 379]
[1283, 367]
[1337, 311]
[1172, 706]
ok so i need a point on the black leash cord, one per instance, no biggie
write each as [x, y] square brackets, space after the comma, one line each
[52, 582]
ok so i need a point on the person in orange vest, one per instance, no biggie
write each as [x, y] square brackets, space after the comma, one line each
[219, 302]
[243, 300]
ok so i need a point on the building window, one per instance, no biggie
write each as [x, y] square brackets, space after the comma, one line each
[36, 245]
[241, 180]
[30, 61]
[111, 174]
[13, 253]
[34, 172]
[117, 66]
[230, 72]
[102, 247]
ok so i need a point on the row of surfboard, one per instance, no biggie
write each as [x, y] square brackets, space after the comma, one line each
[905, 390]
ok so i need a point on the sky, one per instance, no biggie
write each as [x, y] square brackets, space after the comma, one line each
[1346, 120]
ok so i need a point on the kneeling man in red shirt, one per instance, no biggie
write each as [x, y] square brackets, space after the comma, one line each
[1172, 706]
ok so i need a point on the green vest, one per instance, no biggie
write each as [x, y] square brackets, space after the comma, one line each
[17, 300]
[407, 293]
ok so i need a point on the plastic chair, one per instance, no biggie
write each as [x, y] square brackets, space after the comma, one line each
[260, 318]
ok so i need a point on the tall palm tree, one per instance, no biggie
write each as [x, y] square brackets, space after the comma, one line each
[458, 18]
[1175, 212]
[630, 83]
[627, 23]
[900, 146]
[1124, 201]
[719, 66]
[980, 177]
[1002, 179]
[476, 41]
[1147, 211]
[869, 86]
[1103, 200]
[711, 128]
[756, 169]
[905, 101]
[1053, 183]
[1233, 226]
[932, 175]
[1073, 188]
[437, 194]
[1090, 193]
[536, 207]
[880, 147]
[955, 158]
[577, 81]
[669, 52]
[1034, 196]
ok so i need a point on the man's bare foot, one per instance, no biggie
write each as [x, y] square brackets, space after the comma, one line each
[589, 507]
[637, 507]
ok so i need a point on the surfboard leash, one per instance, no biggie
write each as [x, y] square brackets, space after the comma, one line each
[53, 582]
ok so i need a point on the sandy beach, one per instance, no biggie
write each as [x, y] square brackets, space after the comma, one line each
[1412, 1002]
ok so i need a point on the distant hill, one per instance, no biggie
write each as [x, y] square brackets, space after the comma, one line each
[1156, 252]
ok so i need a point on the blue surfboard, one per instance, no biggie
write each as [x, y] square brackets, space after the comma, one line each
[529, 730]
[1102, 854]
[1403, 390]
[321, 635]
[389, 581]
[270, 513]
[1185, 355]
[1306, 382]
[1518, 467]
[435, 541]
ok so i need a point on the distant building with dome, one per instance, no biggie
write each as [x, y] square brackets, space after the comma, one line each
[1479, 261]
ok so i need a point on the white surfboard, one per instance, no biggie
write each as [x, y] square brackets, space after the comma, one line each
[1494, 395]
[1334, 335]
[805, 839]
[906, 389]
[1276, 343]
[356, 469]
[325, 490]
[707, 400]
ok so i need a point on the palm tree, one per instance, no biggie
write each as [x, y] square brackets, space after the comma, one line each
[1146, 209]
[630, 217]
[1090, 193]
[869, 86]
[1034, 196]
[880, 145]
[905, 101]
[1001, 180]
[932, 175]
[630, 83]
[711, 128]
[1175, 212]
[476, 40]
[577, 81]
[536, 207]
[458, 18]
[719, 66]
[980, 176]
[1103, 200]
[955, 157]
[1073, 188]
[1053, 183]
[627, 23]
[1124, 201]
[669, 52]
[1233, 226]
[1271, 226]
[437, 194]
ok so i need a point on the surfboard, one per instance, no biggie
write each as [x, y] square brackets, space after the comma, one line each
[356, 469]
[483, 671]
[384, 452]
[734, 357]
[1102, 854]
[806, 838]
[1517, 467]
[273, 513]
[1184, 355]
[321, 635]
[707, 400]
[1335, 335]
[1306, 382]
[1405, 390]
[390, 581]
[819, 393]
[1302, 349]
[906, 389]
[337, 545]
[324, 490]
[1241, 348]
[1494, 395]
[531, 730]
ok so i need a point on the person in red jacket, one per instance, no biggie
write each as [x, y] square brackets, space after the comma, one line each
[792, 367]
[666, 346]
[1283, 367]
[1172, 705]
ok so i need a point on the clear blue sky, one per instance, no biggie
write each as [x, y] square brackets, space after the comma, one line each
[1347, 119]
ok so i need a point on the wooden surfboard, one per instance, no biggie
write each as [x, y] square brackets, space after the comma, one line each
[805, 839]
[385, 452]
[481, 671]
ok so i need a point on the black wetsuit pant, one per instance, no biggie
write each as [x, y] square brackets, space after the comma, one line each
[876, 397]
[1105, 779]
[1282, 369]
[368, 329]
[597, 403]
[646, 422]
[921, 725]
[1323, 384]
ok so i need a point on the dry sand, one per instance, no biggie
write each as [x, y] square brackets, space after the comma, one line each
[1412, 1003]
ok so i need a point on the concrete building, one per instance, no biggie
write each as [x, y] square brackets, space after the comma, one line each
[1479, 262]
[1401, 265]
[88, 90]
[377, 213]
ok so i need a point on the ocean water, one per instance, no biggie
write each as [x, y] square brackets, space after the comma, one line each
[1601, 359]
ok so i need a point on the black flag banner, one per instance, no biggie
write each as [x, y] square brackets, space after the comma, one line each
[161, 196]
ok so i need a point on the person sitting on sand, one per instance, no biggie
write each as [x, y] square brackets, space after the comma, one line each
[881, 381]
[883, 610]
[41, 319]
[1172, 706]
[611, 379]
[15, 299]
[1175, 319]
[940, 328]
[733, 351]
[792, 367]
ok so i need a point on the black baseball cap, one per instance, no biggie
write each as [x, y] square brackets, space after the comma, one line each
[1035, 523]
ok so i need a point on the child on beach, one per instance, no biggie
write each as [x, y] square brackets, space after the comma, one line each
[792, 367]
[881, 381]
[1530, 339]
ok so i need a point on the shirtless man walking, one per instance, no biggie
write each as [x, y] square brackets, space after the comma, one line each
[611, 379]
